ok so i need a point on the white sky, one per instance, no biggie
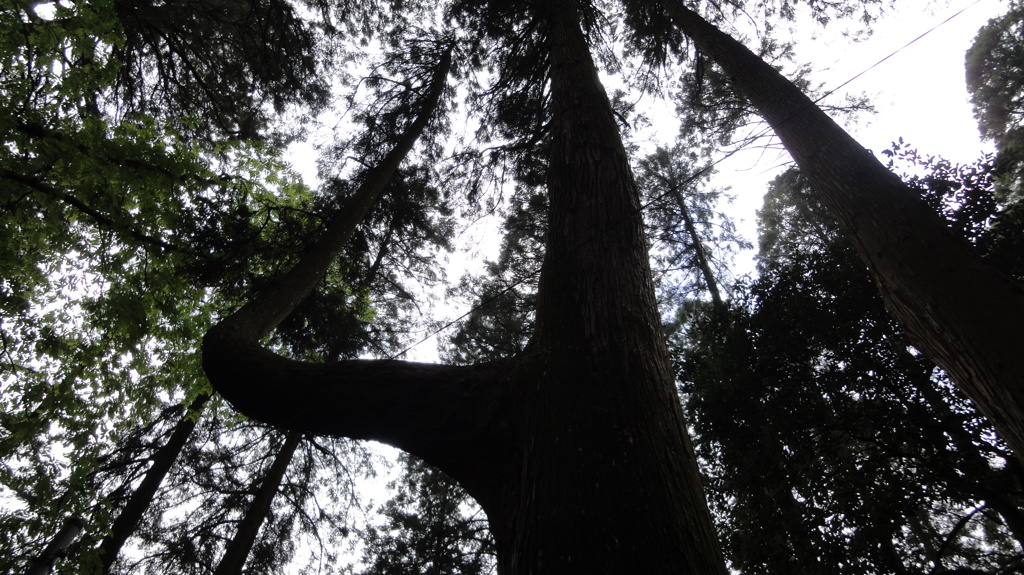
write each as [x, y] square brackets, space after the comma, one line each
[920, 92]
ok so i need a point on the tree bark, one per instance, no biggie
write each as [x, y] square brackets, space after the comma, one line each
[605, 478]
[142, 497]
[43, 563]
[960, 312]
[238, 548]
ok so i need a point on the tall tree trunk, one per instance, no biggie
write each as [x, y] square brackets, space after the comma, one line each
[962, 313]
[698, 246]
[238, 548]
[269, 308]
[140, 500]
[606, 480]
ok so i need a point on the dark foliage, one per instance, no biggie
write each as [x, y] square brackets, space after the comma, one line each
[832, 445]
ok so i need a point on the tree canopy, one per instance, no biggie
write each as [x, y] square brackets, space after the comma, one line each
[158, 251]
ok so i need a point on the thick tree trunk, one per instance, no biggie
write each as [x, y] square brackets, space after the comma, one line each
[238, 548]
[606, 480]
[142, 497]
[960, 312]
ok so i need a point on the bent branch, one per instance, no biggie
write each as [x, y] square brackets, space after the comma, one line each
[439, 413]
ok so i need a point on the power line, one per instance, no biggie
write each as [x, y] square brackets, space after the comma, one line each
[900, 49]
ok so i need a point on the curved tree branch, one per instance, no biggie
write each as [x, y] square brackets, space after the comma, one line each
[439, 413]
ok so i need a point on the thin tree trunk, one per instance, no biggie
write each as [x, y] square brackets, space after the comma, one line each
[264, 312]
[698, 246]
[962, 313]
[702, 259]
[128, 519]
[43, 563]
[238, 548]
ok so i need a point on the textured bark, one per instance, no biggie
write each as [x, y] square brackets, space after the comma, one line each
[606, 480]
[960, 312]
[238, 548]
[142, 497]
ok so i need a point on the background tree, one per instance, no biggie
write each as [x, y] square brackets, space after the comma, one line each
[197, 514]
[135, 506]
[995, 79]
[894, 234]
[695, 241]
[831, 444]
[430, 527]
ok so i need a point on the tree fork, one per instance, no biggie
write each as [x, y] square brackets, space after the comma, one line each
[577, 449]
[962, 313]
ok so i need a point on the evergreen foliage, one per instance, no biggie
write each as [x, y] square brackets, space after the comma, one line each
[431, 527]
[831, 445]
[995, 79]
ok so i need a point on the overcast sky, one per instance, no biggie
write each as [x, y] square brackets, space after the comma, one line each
[920, 92]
